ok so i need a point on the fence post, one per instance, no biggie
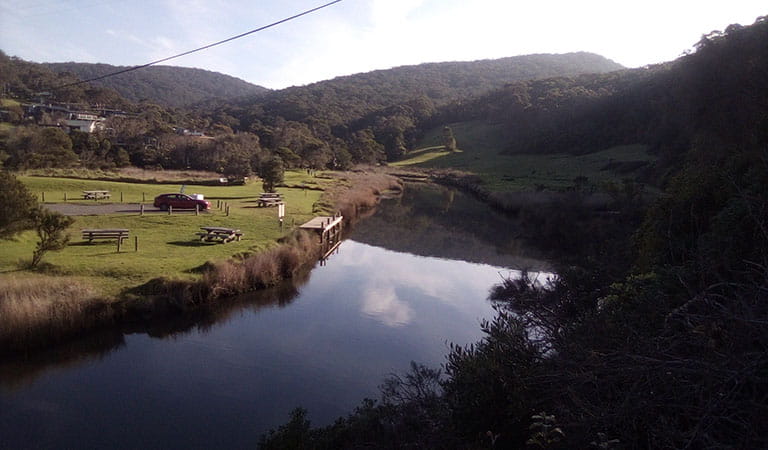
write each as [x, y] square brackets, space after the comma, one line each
[170, 210]
[197, 209]
[136, 243]
[119, 241]
[227, 210]
[65, 196]
[121, 196]
[142, 209]
[43, 197]
[143, 198]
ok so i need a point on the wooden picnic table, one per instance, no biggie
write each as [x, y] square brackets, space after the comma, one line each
[95, 195]
[105, 233]
[220, 234]
[270, 199]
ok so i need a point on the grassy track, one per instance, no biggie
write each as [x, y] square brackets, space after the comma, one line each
[167, 244]
[481, 144]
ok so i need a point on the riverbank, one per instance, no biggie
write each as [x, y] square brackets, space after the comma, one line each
[41, 308]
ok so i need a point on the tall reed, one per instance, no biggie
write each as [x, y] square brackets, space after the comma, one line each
[46, 307]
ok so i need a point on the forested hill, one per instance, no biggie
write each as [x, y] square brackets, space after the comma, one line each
[165, 85]
[344, 99]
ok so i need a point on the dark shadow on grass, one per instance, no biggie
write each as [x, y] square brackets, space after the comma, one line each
[197, 243]
[227, 198]
[202, 268]
[86, 243]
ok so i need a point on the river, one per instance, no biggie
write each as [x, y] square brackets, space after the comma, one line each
[409, 281]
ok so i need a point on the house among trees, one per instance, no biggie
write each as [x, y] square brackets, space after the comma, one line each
[61, 115]
[84, 122]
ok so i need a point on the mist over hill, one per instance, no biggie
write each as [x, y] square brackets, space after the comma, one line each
[165, 85]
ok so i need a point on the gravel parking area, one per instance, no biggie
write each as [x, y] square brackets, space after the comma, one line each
[79, 209]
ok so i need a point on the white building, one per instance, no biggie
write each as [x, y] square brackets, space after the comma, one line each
[84, 122]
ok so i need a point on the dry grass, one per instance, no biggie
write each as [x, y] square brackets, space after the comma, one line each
[130, 174]
[166, 175]
[46, 307]
[226, 278]
[360, 191]
[263, 270]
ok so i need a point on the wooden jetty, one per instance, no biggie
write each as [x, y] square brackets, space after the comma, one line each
[329, 229]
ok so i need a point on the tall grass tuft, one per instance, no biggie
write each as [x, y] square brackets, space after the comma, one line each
[362, 191]
[41, 308]
[262, 270]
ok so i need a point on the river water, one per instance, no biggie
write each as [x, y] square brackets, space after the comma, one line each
[411, 279]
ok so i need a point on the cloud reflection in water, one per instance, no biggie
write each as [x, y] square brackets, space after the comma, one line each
[393, 287]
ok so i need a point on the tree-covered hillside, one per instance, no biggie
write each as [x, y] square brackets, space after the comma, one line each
[345, 116]
[23, 80]
[347, 98]
[164, 85]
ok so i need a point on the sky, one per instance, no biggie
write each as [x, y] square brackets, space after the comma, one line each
[355, 36]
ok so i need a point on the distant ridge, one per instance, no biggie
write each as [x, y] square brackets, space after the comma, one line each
[165, 85]
[511, 68]
[347, 98]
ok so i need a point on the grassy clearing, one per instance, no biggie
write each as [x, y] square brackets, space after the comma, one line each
[422, 156]
[167, 244]
[481, 143]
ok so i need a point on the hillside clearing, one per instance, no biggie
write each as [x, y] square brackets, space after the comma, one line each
[481, 144]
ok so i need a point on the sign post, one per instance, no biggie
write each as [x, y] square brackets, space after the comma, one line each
[281, 213]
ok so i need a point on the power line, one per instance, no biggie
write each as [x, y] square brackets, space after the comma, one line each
[130, 69]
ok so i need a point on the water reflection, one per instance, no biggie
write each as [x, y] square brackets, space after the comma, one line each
[382, 303]
[438, 221]
[221, 376]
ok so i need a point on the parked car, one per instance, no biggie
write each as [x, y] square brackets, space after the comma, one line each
[181, 201]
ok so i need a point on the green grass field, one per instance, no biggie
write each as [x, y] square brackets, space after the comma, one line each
[167, 243]
[480, 145]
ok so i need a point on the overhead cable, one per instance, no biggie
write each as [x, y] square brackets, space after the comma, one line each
[256, 30]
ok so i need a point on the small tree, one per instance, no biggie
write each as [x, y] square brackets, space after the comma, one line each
[50, 227]
[16, 207]
[272, 172]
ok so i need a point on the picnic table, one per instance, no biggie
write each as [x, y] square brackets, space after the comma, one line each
[270, 199]
[219, 234]
[95, 195]
[105, 233]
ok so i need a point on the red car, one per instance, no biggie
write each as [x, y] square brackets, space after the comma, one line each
[180, 201]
